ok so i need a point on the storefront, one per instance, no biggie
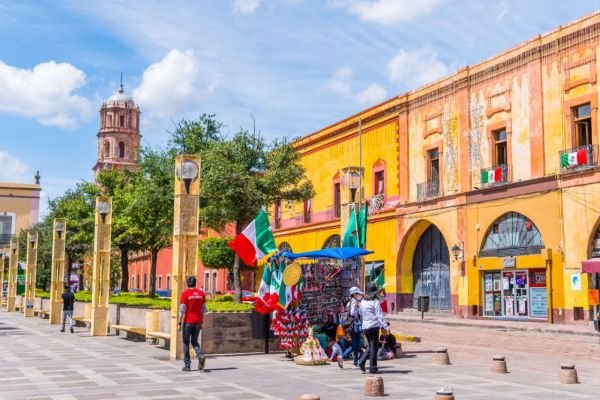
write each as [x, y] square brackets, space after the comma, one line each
[515, 293]
[513, 273]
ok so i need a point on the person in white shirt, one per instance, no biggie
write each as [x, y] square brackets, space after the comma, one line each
[356, 324]
[372, 321]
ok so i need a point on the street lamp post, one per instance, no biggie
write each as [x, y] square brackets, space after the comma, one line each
[12, 275]
[30, 272]
[185, 237]
[101, 268]
[59, 237]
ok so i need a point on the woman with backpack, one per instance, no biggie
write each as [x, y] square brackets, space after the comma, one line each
[372, 321]
[355, 322]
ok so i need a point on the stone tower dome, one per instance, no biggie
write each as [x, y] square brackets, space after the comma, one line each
[119, 135]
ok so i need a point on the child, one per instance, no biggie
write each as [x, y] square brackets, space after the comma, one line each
[388, 346]
[334, 350]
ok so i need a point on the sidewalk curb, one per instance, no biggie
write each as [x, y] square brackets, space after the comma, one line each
[561, 331]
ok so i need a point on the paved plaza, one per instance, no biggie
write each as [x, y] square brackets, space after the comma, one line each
[38, 362]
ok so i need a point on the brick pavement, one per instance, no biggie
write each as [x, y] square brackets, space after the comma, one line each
[37, 362]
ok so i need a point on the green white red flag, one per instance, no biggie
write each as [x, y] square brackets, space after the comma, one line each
[255, 241]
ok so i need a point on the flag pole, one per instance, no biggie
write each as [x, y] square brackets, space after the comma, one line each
[360, 196]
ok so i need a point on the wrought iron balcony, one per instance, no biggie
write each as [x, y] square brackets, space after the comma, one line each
[496, 175]
[581, 157]
[428, 190]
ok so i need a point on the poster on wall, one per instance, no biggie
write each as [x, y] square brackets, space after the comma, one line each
[489, 303]
[488, 282]
[509, 306]
[539, 302]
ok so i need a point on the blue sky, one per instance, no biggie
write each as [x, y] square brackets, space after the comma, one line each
[295, 66]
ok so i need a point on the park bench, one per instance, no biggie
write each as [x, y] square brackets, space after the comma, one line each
[133, 332]
[154, 336]
[41, 313]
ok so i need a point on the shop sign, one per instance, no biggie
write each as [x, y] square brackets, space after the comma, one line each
[576, 282]
[594, 297]
[538, 278]
[509, 262]
[539, 302]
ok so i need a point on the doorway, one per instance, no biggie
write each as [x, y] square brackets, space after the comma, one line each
[431, 270]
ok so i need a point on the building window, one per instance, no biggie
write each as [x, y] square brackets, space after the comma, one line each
[138, 281]
[337, 200]
[583, 124]
[121, 121]
[106, 149]
[168, 282]
[332, 242]
[307, 210]
[132, 282]
[214, 281]
[121, 149]
[160, 281]
[207, 281]
[285, 246]
[145, 282]
[379, 182]
[500, 148]
[512, 234]
[6, 229]
[433, 170]
[277, 212]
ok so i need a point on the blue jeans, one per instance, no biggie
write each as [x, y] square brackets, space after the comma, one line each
[190, 334]
[356, 339]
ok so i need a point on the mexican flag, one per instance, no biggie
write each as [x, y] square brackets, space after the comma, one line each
[578, 157]
[380, 281]
[362, 226]
[255, 241]
[275, 287]
[491, 175]
[262, 302]
[351, 236]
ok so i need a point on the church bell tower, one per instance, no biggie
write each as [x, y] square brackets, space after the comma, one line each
[119, 135]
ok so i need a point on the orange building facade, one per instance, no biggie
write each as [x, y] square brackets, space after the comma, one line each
[484, 186]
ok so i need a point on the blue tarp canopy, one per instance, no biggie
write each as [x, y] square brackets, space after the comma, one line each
[340, 253]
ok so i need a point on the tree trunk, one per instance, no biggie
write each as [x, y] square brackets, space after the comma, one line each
[124, 269]
[153, 261]
[237, 283]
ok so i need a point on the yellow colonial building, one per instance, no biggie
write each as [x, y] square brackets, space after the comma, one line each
[19, 208]
[483, 187]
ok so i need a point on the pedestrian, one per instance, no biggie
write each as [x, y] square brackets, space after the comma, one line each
[68, 299]
[355, 322]
[191, 314]
[372, 321]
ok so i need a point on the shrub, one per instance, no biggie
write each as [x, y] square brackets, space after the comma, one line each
[223, 298]
[42, 294]
[218, 306]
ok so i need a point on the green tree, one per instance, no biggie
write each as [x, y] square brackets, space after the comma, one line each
[150, 210]
[193, 137]
[117, 184]
[215, 253]
[244, 174]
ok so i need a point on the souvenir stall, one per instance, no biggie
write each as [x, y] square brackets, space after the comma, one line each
[324, 277]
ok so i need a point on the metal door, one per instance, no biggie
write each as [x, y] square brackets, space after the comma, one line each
[431, 269]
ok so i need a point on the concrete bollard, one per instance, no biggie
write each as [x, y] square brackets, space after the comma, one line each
[310, 396]
[374, 386]
[499, 365]
[444, 393]
[440, 357]
[568, 374]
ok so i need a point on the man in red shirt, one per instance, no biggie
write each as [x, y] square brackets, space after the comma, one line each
[191, 312]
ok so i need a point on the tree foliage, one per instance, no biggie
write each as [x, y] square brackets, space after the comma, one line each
[215, 253]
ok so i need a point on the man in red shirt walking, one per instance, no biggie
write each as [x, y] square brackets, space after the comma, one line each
[191, 313]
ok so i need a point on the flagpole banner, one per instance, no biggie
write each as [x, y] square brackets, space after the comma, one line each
[255, 241]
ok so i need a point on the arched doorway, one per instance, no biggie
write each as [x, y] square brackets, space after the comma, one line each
[431, 269]
[332, 242]
[285, 246]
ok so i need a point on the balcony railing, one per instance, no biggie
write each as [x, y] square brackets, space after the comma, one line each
[581, 157]
[497, 175]
[5, 239]
[428, 190]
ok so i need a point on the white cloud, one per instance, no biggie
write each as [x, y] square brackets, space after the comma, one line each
[341, 84]
[502, 8]
[410, 70]
[172, 86]
[373, 94]
[388, 12]
[13, 169]
[46, 92]
[246, 6]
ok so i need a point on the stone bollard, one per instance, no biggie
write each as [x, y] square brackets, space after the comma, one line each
[310, 396]
[374, 386]
[499, 365]
[568, 373]
[440, 357]
[444, 393]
